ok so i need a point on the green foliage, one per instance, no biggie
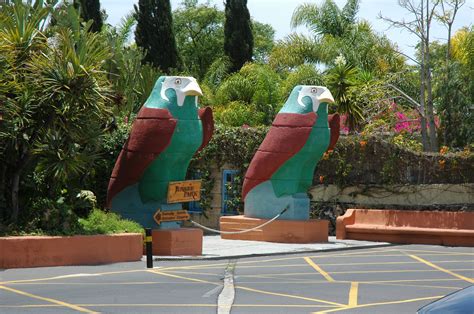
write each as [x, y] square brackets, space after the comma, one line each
[255, 85]
[90, 10]
[131, 79]
[100, 222]
[237, 114]
[327, 18]
[263, 35]
[305, 74]
[340, 79]
[199, 36]
[454, 90]
[54, 102]
[154, 33]
[238, 36]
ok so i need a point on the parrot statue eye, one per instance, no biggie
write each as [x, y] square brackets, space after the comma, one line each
[314, 90]
[177, 81]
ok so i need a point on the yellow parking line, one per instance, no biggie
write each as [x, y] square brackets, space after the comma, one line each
[439, 252]
[319, 269]
[409, 280]
[170, 305]
[289, 296]
[69, 276]
[407, 285]
[443, 269]
[391, 271]
[185, 278]
[379, 303]
[353, 294]
[64, 304]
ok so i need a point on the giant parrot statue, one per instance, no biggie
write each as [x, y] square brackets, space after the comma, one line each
[169, 129]
[282, 169]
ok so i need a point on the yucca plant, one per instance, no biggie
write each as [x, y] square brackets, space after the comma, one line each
[54, 105]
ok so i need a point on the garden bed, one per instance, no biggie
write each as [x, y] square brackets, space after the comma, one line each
[40, 251]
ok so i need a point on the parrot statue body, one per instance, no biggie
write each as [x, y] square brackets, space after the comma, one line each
[168, 131]
[282, 170]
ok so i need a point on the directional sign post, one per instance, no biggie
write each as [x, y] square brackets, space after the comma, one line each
[172, 215]
[184, 191]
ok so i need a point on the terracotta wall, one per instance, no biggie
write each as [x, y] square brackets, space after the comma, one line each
[32, 251]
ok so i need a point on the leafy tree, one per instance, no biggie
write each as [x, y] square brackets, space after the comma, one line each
[454, 97]
[327, 18]
[132, 81]
[199, 36]
[340, 80]
[154, 33]
[54, 102]
[263, 35]
[422, 12]
[90, 10]
[238, 37]
[255, 85]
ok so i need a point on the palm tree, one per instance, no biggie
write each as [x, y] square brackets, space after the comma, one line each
[327, 18]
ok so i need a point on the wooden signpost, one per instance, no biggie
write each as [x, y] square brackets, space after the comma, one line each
[184, 191]
[172, 215]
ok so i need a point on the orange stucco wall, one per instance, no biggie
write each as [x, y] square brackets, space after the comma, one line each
[38, 251]
[407, 226]
[280, 231]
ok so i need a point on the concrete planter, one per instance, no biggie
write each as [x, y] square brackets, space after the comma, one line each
[39, 251]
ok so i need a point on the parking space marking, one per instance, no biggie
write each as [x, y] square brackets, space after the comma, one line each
[71, 275]
[443, 269]
[439, 252]
[408, 285]
[379, 303]
[397, 271]
[353, 294]
[319, 269]
[33, 296]
[289, 296]
[184, 278]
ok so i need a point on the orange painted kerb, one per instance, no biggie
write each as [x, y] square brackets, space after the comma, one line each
[39, 251]
[280, 231]
[407, 226]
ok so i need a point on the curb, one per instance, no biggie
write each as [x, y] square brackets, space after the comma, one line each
[216, 258]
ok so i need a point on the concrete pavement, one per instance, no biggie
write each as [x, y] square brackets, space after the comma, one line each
[215, 248]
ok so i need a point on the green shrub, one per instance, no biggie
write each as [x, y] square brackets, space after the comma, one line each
[100, 222]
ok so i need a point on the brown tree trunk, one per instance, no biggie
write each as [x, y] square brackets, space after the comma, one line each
[429, 88]
[424, 131]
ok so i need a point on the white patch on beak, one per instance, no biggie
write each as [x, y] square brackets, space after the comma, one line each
[183, 86]
[318, 94]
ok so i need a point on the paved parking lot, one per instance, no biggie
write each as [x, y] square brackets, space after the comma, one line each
[395, 279]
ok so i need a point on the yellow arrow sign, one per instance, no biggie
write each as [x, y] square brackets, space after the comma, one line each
[172, 215]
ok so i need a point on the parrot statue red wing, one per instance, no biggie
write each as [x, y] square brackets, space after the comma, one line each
[272, 153]
[207, 119]
[334, 124]
[142, 148]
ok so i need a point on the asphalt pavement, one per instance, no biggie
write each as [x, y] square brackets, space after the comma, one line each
[390, 279]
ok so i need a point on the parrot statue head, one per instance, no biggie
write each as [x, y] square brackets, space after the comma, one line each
[178, 94]
[307, 98]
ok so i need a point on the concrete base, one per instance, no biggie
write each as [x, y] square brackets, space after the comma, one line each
[407, 226]
[42, 251]
[280, 231]
[173, 242]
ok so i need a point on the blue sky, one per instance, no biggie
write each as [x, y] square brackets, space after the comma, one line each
[278, 14]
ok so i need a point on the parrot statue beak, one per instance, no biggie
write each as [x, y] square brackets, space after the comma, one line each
[326, 97]
[192, 89]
